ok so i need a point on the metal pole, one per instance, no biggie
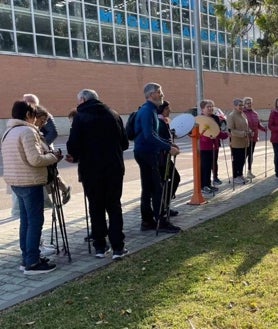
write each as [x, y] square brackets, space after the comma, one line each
[198, 54]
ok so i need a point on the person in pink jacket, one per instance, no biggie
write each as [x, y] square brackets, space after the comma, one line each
[273, 127]
[207, 147]
[254, 125]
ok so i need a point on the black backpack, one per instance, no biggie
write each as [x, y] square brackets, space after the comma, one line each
[130, 125]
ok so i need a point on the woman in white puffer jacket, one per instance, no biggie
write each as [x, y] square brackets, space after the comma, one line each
[25, 170]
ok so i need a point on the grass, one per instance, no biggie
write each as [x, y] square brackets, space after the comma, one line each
[221, 274]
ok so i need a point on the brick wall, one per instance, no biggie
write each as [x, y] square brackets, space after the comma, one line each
[57, 82]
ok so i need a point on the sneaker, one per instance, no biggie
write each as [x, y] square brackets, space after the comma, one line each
[214, 189]
[119, 254]
[206, 190]
[244, 180]
[47, 250]
[102, 253]
[217, 181]
[173, 213]
[39, 268]
[42, 260]
[167, 227]
[89, 238]
[250, 175]
[239, 180]
[147, 226]
[66, 195]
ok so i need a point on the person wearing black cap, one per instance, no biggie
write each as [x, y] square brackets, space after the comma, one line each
[239, 140]
[164, 132]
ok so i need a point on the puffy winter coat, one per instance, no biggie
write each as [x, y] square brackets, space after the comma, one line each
[24, 161]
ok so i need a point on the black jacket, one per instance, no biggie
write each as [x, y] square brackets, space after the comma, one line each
[97, 140]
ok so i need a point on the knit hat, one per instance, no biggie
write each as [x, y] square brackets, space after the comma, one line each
[162, 107]
[237, 101]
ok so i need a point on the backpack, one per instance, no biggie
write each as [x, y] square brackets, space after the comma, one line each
[130, 125]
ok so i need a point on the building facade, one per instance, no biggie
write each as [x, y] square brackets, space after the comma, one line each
[55, 48]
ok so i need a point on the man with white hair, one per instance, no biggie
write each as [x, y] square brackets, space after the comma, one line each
[97, 140]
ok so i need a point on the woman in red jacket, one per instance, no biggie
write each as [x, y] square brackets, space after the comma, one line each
[273, 127]
[207, 147]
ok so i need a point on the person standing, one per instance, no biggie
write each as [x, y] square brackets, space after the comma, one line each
[273, 127]
[50, 133]
[173, 179]
[208, 148]
[25, 170]
[147, 148]
[239, 140]
[254, 125]
[97, 140]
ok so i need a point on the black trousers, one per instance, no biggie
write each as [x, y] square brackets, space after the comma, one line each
[172, 174]
[206, 158]
[104, 195]
[151, 185]
[250, 152]
[275, 149]
[238, 161]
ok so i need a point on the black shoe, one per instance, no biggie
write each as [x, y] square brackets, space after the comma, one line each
[167, 227]
[90, 238]
[214, 189]
[119, 254]
[66, 195]
[42, 260]
[173, 213]
[101, 253]
[147, 226]
[39, 268]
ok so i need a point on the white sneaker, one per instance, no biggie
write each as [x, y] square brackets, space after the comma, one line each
[238, 180]
[47, 250]
[250, 175]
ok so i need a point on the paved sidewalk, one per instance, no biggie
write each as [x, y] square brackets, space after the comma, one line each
[15, 287]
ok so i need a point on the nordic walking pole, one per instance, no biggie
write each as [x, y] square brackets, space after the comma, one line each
[163, 194]
[223, 144]
[87, 221]
[251, 156]
[265, 153]
[213, 165]
[171, 188]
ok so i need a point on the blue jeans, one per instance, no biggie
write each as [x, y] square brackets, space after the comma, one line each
[31, 207]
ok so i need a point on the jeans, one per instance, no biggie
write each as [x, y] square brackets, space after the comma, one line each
[31, 207]
[104, 195]
[151, 185]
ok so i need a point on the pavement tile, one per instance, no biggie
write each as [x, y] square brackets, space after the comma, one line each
[15, 287]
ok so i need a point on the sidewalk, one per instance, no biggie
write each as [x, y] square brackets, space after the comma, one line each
[15, 287]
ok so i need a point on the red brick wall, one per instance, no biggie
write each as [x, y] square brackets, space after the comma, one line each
[57, 82]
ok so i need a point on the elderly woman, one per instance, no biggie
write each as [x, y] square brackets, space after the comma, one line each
[254, 125]
[239, 140]
[25, 170]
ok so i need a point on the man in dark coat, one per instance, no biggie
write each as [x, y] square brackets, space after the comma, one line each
[97, 141]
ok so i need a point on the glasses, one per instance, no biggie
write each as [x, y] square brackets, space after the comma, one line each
[249, 103]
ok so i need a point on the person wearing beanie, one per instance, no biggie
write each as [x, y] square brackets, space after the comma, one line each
[239, 140]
